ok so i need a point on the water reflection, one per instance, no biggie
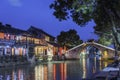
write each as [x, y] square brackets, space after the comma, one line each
[68, 70]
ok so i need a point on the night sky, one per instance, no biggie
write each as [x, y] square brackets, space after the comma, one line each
[24, 13]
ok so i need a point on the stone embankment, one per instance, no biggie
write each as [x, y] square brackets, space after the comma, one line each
[111, 72]
[13, 64]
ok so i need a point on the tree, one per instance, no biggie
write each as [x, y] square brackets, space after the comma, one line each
[69, 38]
[105, 13]
[91, 40]
[105, 40]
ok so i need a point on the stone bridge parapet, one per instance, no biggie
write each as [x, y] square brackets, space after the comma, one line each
[74, 53]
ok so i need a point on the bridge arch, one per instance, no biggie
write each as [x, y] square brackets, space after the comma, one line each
[74, 53]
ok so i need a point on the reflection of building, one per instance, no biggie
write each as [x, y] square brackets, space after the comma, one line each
[51, 72]
[20, 42]
[19, 73]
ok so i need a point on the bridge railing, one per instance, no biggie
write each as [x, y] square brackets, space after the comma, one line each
[75, 47]
[89, 43]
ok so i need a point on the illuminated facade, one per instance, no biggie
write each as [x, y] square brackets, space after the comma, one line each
[51, 72]
[34, 41]
[8, 43]
[47, 47]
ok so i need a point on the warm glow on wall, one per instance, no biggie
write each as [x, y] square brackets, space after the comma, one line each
[47, 38]
[105, 54]
[36, 41]
[105, 64]
[1, 35]
[20, 51]
[13, 51]
[23, 38]
[38, 50]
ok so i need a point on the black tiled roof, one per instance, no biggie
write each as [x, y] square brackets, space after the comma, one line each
[32, 31]
[39, 31]
[11, 30]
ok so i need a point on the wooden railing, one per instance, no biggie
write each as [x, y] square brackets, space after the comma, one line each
[6, 41]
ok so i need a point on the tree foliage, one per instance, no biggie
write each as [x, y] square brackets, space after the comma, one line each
[105, 13]
[91, 40]
[82, 11]
[69, 38]
[107, 41]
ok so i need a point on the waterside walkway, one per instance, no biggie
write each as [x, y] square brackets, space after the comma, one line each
[13, 64]
[111, 72]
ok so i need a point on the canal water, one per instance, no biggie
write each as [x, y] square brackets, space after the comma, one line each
[55, 70]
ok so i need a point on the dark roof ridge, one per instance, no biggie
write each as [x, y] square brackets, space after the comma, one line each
[41, 31]
[7, 28]
[12, 27]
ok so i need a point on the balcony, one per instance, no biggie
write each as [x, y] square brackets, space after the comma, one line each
[42, 42]
[6, 42]
[22, 42]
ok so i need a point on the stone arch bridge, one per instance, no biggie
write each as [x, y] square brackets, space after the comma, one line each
[74, 53]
